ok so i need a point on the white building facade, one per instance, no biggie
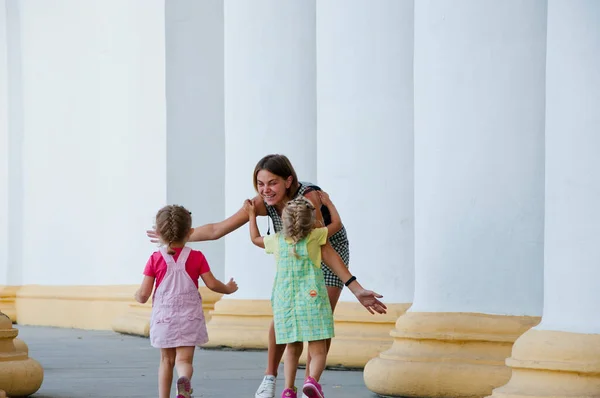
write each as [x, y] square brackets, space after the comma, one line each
[458, 140]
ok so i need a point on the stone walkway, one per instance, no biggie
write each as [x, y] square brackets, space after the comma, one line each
[100, 364]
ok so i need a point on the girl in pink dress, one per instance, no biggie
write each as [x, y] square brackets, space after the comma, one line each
[177, 324]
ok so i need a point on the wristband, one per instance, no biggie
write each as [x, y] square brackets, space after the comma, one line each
[349, 281]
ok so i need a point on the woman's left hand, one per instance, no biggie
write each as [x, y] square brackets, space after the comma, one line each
[369, 299]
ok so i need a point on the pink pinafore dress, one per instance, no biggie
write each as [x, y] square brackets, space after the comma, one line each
[177, 316]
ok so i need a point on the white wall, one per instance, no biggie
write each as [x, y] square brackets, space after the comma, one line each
[479, 156]
[572, 252]
[195, 124]
[94, 162]
[3, 147]
[13, 123]
[365, 136]
[269, 108]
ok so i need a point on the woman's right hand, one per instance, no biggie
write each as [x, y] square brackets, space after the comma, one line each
[153, 235]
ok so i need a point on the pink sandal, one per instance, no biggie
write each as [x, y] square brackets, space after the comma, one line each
[184, 388]
[312, 389]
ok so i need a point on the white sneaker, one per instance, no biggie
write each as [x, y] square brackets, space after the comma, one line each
[266, 388]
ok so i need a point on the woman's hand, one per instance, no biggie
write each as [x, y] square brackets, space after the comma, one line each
[369, 300]
[153, 235]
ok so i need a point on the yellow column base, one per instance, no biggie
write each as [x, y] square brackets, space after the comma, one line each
[20, 375]
[446, 355]
[359, 335]
[81, 307]
[240, 324]
[8, 295]
[552, 364]
[21, 346]
[136, 320]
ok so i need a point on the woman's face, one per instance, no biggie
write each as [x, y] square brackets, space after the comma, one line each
[272, 187]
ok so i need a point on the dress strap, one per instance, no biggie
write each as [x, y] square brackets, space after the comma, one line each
[183, 256]
[181, 260]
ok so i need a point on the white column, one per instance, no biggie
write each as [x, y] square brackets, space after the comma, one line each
[479, 161]
[94, 151]
[25, 374]
[195, 133]
[365, 152]
[4, 142]
[195, 124]
[479, 186]
[11, 122]
[559, 357]
[269, 108]
[572, 250]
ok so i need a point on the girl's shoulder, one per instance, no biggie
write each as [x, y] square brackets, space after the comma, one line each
[157, 255]
[196, 252]
[196, 256]
[318, 236]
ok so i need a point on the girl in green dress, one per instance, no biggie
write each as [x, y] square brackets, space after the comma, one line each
[301, 308]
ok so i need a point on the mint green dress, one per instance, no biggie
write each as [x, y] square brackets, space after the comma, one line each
[301, 308]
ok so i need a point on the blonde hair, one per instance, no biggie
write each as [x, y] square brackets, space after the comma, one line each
[173, 224]
[298, 218]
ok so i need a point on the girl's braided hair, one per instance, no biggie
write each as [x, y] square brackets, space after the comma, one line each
[173, 224]
[298, 218]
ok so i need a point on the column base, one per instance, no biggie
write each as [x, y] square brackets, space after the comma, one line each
[20, 376]
[553, 364]
[80, 307]
[446, 355]
[359, 335]
[21, 346]
[8, 295]
[240, 324]
[136, 321]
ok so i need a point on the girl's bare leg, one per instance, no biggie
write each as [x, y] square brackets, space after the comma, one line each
[318, 353]
[184, 360]
[274, 354]
[334, 296]
[165, 372]
[292, 357]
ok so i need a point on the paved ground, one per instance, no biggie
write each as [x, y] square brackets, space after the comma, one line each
[80, 364]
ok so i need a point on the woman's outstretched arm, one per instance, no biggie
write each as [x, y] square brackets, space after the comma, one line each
[214, 231]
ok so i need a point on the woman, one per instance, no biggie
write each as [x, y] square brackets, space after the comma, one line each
[276, 183]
